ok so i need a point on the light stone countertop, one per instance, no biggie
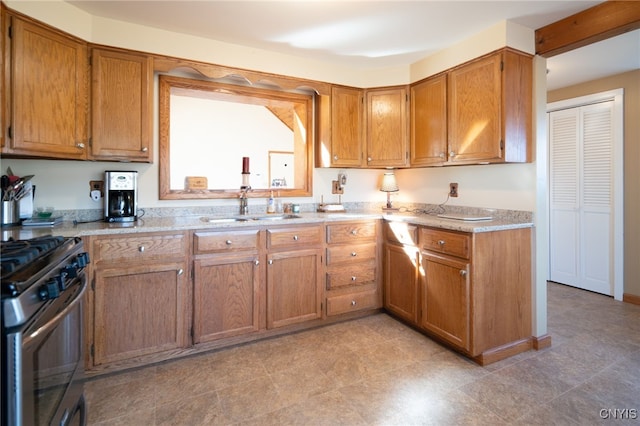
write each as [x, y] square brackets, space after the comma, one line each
[198, 222]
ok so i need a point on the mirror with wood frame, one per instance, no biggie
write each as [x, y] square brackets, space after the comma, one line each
[215, 137]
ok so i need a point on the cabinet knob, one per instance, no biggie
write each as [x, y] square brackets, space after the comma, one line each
[369, 159]
[442, 155]
[463, 273]
[256, 262]
[228, 242]
[354, 232]
[353, 278]
[441, 243]
[144, 149]
[270, 261]
[180, 271]
[353, 303]
[335, 158]
[80, 145]
[295, 238]
[452, 154]
[141, 249]
[354, 254]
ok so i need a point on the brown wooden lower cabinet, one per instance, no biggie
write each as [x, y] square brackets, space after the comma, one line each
[225, 296]
[474, 289]
[294, 291]
[139, 310]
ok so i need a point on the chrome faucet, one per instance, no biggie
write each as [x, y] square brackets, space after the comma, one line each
[244, 202]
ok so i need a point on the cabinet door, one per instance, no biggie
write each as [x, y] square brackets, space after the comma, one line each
[139, 310]
[346, 127]
[429, 122]
[49, 87]
[226, 297]
[401, 281]
[387, 143]
[122, 96]
[446, 299]
[294, 290]
[475, 113]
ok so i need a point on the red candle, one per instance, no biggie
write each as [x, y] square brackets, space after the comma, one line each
[245, 164]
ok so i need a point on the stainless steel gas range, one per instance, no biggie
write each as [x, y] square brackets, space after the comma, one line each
[43, 282]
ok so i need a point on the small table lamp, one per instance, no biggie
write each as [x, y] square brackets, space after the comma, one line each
[389, 185]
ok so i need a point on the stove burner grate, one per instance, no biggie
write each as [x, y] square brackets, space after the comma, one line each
[14, 255]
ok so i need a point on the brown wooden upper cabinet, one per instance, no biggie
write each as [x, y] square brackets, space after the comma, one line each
[49, 74]
[478, 112]
[363, 128]
[121, 105]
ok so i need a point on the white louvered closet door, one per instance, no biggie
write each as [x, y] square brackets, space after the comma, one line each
[581, 202]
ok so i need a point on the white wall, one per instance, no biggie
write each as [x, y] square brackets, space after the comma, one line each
[65, 184]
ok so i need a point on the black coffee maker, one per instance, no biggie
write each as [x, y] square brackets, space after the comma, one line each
[121, 196]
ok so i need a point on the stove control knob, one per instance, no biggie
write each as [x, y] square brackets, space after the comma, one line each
[71, 270]
[83, 259]
[49, 290]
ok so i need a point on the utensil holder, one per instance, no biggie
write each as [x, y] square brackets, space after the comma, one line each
[10, 212]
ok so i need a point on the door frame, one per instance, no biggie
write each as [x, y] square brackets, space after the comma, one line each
[617, 96]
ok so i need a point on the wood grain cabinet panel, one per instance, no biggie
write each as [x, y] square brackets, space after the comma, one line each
[140, 247]
[387, 127]
[121, 106]
[352, 267]
[226, 296]
[347, 125]
[139, 310]
[49, 86]
[294, 290]
[401, 281]
[428, 119]
[446, 299]
[446, 242]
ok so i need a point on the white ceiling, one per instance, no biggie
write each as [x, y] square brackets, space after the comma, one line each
[371, 34]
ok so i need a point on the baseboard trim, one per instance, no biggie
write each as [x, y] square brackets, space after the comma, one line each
[541, 342]
[631, 298]
[503, 352]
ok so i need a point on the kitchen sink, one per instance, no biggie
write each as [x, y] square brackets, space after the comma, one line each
[249, 218]
[277, 217]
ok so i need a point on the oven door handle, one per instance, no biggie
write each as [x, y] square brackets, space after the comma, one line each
[50, 325]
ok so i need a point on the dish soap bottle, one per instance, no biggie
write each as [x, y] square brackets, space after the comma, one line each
[271, 204]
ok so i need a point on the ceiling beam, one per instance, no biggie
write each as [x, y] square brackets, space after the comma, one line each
[597, 23]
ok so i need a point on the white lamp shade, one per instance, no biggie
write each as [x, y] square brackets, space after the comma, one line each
[389, 183]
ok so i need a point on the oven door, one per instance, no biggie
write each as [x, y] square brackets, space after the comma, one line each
[49, 354]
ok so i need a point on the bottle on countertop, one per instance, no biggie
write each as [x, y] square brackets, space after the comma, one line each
[271, 204]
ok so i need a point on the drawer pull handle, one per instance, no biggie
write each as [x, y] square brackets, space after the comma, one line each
[180, 271]
[441, 243]
[353, 303]
[353, 278]
[354, 232]
[141, 249]
[354, 254]
[295, 238]
[228, 242]
[463, 273]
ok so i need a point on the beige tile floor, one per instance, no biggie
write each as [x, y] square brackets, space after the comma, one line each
[376, 371]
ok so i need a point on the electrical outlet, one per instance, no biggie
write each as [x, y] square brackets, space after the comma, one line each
[336, 188]
[96, 185]
[453, 189]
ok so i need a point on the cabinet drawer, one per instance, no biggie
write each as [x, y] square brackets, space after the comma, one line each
[401, 233]
[354, 275]
[351, 232]
[219, 242]
[293, 237]
[447, 242]
[139, 247]
[351, 253]
[337, 305]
